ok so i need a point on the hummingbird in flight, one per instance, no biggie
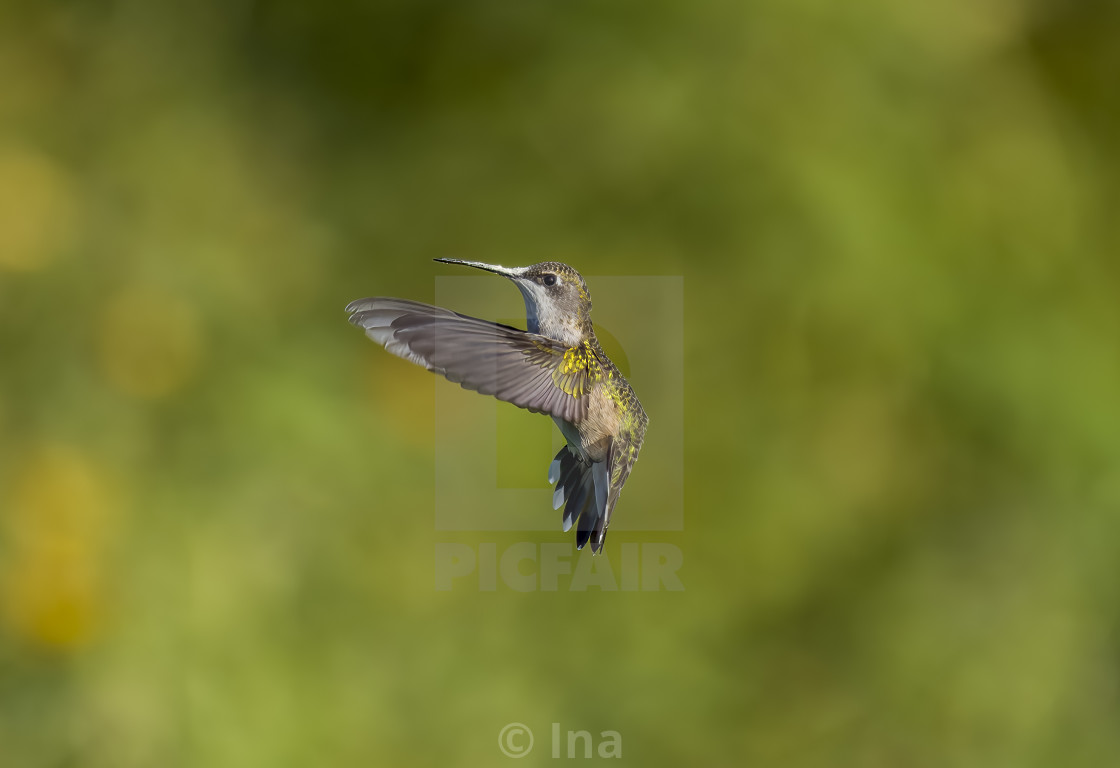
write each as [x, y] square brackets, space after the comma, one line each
[556, 366]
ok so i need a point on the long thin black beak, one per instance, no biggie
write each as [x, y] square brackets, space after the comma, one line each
[497, 269]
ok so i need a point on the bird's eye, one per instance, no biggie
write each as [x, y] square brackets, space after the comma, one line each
[550, 279]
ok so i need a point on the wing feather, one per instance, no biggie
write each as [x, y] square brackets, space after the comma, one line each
[526, 369]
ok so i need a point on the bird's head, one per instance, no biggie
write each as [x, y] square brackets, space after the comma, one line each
[557, 302]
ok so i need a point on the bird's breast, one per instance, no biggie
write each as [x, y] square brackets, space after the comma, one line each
[601, 423]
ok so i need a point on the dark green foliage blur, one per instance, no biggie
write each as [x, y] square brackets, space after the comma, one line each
[896, 227]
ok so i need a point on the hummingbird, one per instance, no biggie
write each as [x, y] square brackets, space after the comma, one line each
[556, 367]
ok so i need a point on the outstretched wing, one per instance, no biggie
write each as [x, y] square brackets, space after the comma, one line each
[526, 369]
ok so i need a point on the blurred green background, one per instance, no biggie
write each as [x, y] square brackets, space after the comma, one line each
[896, 227]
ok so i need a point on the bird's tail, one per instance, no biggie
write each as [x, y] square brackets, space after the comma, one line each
[581, 487]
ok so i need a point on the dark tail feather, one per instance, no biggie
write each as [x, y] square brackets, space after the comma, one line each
[581, 486]
[564, 472]
[573, 482]
[595, 517]
[577, 504]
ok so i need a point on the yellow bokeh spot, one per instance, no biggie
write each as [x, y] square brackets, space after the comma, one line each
[55, 522]
[150, 342]
[36, 209]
